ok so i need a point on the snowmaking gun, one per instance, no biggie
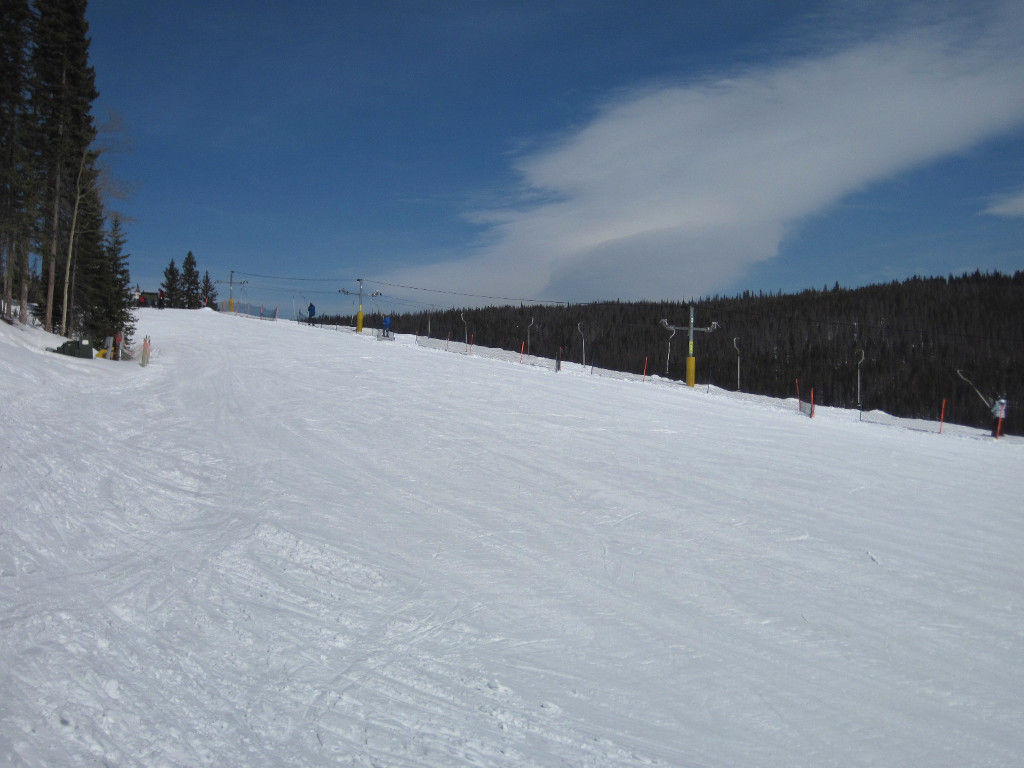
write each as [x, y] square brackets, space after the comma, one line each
[985, 400]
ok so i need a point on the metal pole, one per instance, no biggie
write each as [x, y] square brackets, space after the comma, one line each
[984, 399]
[860, 403]
[359, 316]
[672, 332]
[579, 327]
[690, 361]
[735, 339]
[690, 353]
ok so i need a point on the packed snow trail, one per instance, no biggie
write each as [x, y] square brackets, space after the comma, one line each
[281, 545]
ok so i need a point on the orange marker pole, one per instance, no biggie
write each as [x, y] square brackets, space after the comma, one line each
[645, 370]
[942, 416]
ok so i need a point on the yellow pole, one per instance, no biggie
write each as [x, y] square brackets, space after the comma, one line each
[359, 320]
[691, 361]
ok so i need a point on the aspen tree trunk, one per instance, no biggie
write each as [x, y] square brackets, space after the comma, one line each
[7, 260]
[52, 271]
[24, 283]
[71, 245]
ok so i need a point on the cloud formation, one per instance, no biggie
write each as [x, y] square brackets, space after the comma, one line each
[1007, 206]
[677, 189]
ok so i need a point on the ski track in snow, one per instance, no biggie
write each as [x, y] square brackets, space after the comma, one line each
[282, 545]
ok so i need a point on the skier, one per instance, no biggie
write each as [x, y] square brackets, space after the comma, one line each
[312, 311]
[160, 300]
[387, 327]
[998, 414]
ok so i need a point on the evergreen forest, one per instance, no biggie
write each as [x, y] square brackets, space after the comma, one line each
[184, 290]
[899, 346]
[61, 252]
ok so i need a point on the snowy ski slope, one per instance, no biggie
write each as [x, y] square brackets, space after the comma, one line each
[285, 546]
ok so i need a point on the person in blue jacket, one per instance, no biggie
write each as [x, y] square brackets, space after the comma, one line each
[312, 311]
[387, 326]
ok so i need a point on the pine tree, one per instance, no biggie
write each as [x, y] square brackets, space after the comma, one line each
[62, 91]
[16, 188]
[190, 295]
[116, 287]
[121, 277]
[84, 311]
[208, 292]
[172, 286]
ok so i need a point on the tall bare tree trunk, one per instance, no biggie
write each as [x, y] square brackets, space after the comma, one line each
[52, 270]
[6, 259]
[71, 245]
[24, 283]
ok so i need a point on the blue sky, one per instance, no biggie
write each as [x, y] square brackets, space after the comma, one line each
[452, 150]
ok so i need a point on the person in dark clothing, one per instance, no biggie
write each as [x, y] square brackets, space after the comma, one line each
[312, 311]
[160, 300]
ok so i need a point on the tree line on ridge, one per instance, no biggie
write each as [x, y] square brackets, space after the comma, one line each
[907, 340]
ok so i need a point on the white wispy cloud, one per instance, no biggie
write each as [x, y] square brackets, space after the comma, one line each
[677, 189]
[1008, 206]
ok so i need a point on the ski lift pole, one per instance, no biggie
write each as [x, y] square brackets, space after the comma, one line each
[231, 289]
[691, 362]
[359, 316]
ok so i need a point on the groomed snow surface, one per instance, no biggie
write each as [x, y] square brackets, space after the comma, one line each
[280, 545]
